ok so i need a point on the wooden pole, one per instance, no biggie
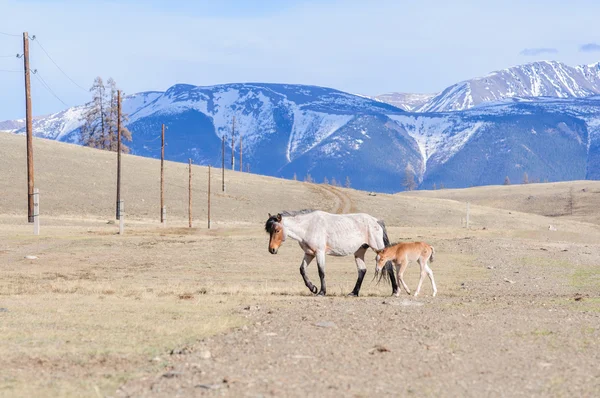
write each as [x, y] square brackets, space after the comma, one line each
[36, 212]
[241, 168]
[223, 163]
[233, 144]
[162, 177]
[209, 197]
[467, 222]
[190, 193]
[121, 205]
[29, 128]
[119, 155]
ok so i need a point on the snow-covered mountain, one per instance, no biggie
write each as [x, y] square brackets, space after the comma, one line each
[406, 101]
[298, 130]
[548, 138]
[536, 79]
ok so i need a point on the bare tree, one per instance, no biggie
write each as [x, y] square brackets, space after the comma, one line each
[506, 180]
[326, 181]
[434, 186]
[308, 178]
[111, 120]
[409, 178]
[295, 177]
[347, 184]
[99, 129]
[525, 178]
[92, 132]
[334, 182]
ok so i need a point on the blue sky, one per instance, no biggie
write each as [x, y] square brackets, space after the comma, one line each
[356, 46]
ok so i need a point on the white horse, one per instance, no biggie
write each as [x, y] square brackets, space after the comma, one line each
[320, 233]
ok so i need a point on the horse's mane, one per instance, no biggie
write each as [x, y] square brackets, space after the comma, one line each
[273, 219]
[294, 213]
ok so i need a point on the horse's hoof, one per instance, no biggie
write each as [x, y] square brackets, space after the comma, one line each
[321, 293]
[352, 294]
[313, 290]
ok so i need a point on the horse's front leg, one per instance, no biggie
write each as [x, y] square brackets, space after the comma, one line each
[321, 266]
[307, 259]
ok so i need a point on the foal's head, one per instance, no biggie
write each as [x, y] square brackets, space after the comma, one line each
[383, 256]
[275, 229]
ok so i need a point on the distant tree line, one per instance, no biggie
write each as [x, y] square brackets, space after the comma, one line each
[326, 181]
[525, 180]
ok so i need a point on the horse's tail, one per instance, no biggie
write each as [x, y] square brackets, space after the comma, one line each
[386, 240]
[387, 273]
[432, 253]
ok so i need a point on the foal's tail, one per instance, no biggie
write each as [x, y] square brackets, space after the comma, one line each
[432, 253]
[386, 240]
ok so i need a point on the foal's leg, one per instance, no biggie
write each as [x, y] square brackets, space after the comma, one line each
[430, 274]
[403, 266]
[321, 266]
[423, 273]
[307, 259]
[359, 258]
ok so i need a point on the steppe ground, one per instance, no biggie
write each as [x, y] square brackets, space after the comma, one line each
[184, 312]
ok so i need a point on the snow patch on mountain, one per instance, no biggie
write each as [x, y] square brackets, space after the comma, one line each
[406, 101]
[430, 133]
[310, 128]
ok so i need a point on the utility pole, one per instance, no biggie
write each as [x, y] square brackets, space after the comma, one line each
[118, 154]
[190, 193]
[223, 162]
[233, 144]
[162, 176]
[29, 127]
[241, 168]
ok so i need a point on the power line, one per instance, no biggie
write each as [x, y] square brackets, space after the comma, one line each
[6, 70]
[9, 56]
[41, 80]
[55, 64]
[9, 34]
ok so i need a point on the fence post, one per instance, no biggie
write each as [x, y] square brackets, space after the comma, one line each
[121, 217]
[468, 215]
[209, 197]
[190, 193]
[36, 211]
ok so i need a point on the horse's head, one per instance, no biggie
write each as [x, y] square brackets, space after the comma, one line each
[275, 228]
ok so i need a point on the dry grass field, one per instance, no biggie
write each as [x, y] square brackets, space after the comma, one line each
[185, 312]
[573, 200]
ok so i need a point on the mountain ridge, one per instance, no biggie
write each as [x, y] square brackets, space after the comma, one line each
[534, 79]
[300, 130]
